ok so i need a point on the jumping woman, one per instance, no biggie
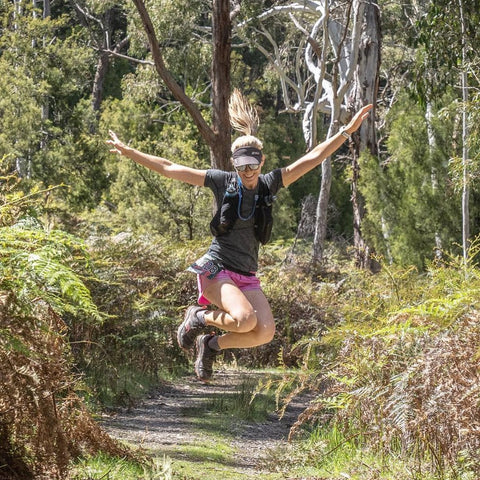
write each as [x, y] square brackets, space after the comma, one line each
[226, 274]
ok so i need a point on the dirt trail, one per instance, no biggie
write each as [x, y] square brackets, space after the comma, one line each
[169, 419]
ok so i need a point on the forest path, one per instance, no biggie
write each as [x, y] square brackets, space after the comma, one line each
[189, 422]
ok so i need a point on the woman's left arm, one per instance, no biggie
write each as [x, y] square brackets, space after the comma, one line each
[315, 157]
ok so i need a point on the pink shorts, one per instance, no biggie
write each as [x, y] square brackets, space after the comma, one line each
[243, 282]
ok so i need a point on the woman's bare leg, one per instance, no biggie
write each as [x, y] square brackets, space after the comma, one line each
[246, 316]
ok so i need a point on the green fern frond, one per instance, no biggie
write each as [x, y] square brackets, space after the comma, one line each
[337, 402]
[448, 308]
[60, 281]
[36, 264]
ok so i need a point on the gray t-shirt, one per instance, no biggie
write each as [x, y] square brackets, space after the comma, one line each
[239, 248]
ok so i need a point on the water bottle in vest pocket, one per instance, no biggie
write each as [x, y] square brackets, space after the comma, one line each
[264, 218]
[226, 214]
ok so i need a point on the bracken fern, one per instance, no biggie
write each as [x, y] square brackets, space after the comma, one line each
[400, 369]
[43, 422]
[37, 265]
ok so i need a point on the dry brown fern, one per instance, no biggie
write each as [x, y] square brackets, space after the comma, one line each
[44, 423]
[418, 393]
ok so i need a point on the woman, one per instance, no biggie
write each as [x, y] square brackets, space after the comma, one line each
[227, 273]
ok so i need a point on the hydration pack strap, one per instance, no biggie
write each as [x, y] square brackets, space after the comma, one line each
[229, 211]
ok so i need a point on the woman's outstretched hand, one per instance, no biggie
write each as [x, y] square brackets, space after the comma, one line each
[117, 146]
[358, 118]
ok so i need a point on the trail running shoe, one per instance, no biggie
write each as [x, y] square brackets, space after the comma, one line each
[205, 358]
[190, 328]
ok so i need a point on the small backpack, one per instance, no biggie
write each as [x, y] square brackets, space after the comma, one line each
[227, 214]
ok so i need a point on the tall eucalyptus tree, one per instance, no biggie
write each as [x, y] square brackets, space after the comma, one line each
[449, 33]
[216, 136]
[106, 24]
[364, 91]
[330, 66]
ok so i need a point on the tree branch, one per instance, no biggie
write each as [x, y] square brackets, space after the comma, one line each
[114, 53]
[177, 91]
[307, 5]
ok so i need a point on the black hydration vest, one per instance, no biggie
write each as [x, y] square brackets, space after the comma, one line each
[228, 212]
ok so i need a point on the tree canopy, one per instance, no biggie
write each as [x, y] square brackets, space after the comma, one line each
[56, 111]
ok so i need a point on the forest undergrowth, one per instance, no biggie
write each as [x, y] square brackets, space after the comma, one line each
[398, 372]
[44, 422]
[88, 322]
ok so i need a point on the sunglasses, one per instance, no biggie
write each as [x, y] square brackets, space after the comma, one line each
[252, 166]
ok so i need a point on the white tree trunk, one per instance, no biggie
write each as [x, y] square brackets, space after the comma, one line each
[364, 91]
[331, 32]
[466, 187]
[346, 54]
[465, 152]
[432, 144]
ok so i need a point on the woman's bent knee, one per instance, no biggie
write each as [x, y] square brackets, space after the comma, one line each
[264, 334]
[268, 333]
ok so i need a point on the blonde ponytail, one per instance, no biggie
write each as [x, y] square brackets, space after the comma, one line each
[244, 119]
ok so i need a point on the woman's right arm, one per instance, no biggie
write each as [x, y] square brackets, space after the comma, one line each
[160, 165]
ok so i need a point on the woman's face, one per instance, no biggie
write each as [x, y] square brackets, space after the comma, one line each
[250, 177]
